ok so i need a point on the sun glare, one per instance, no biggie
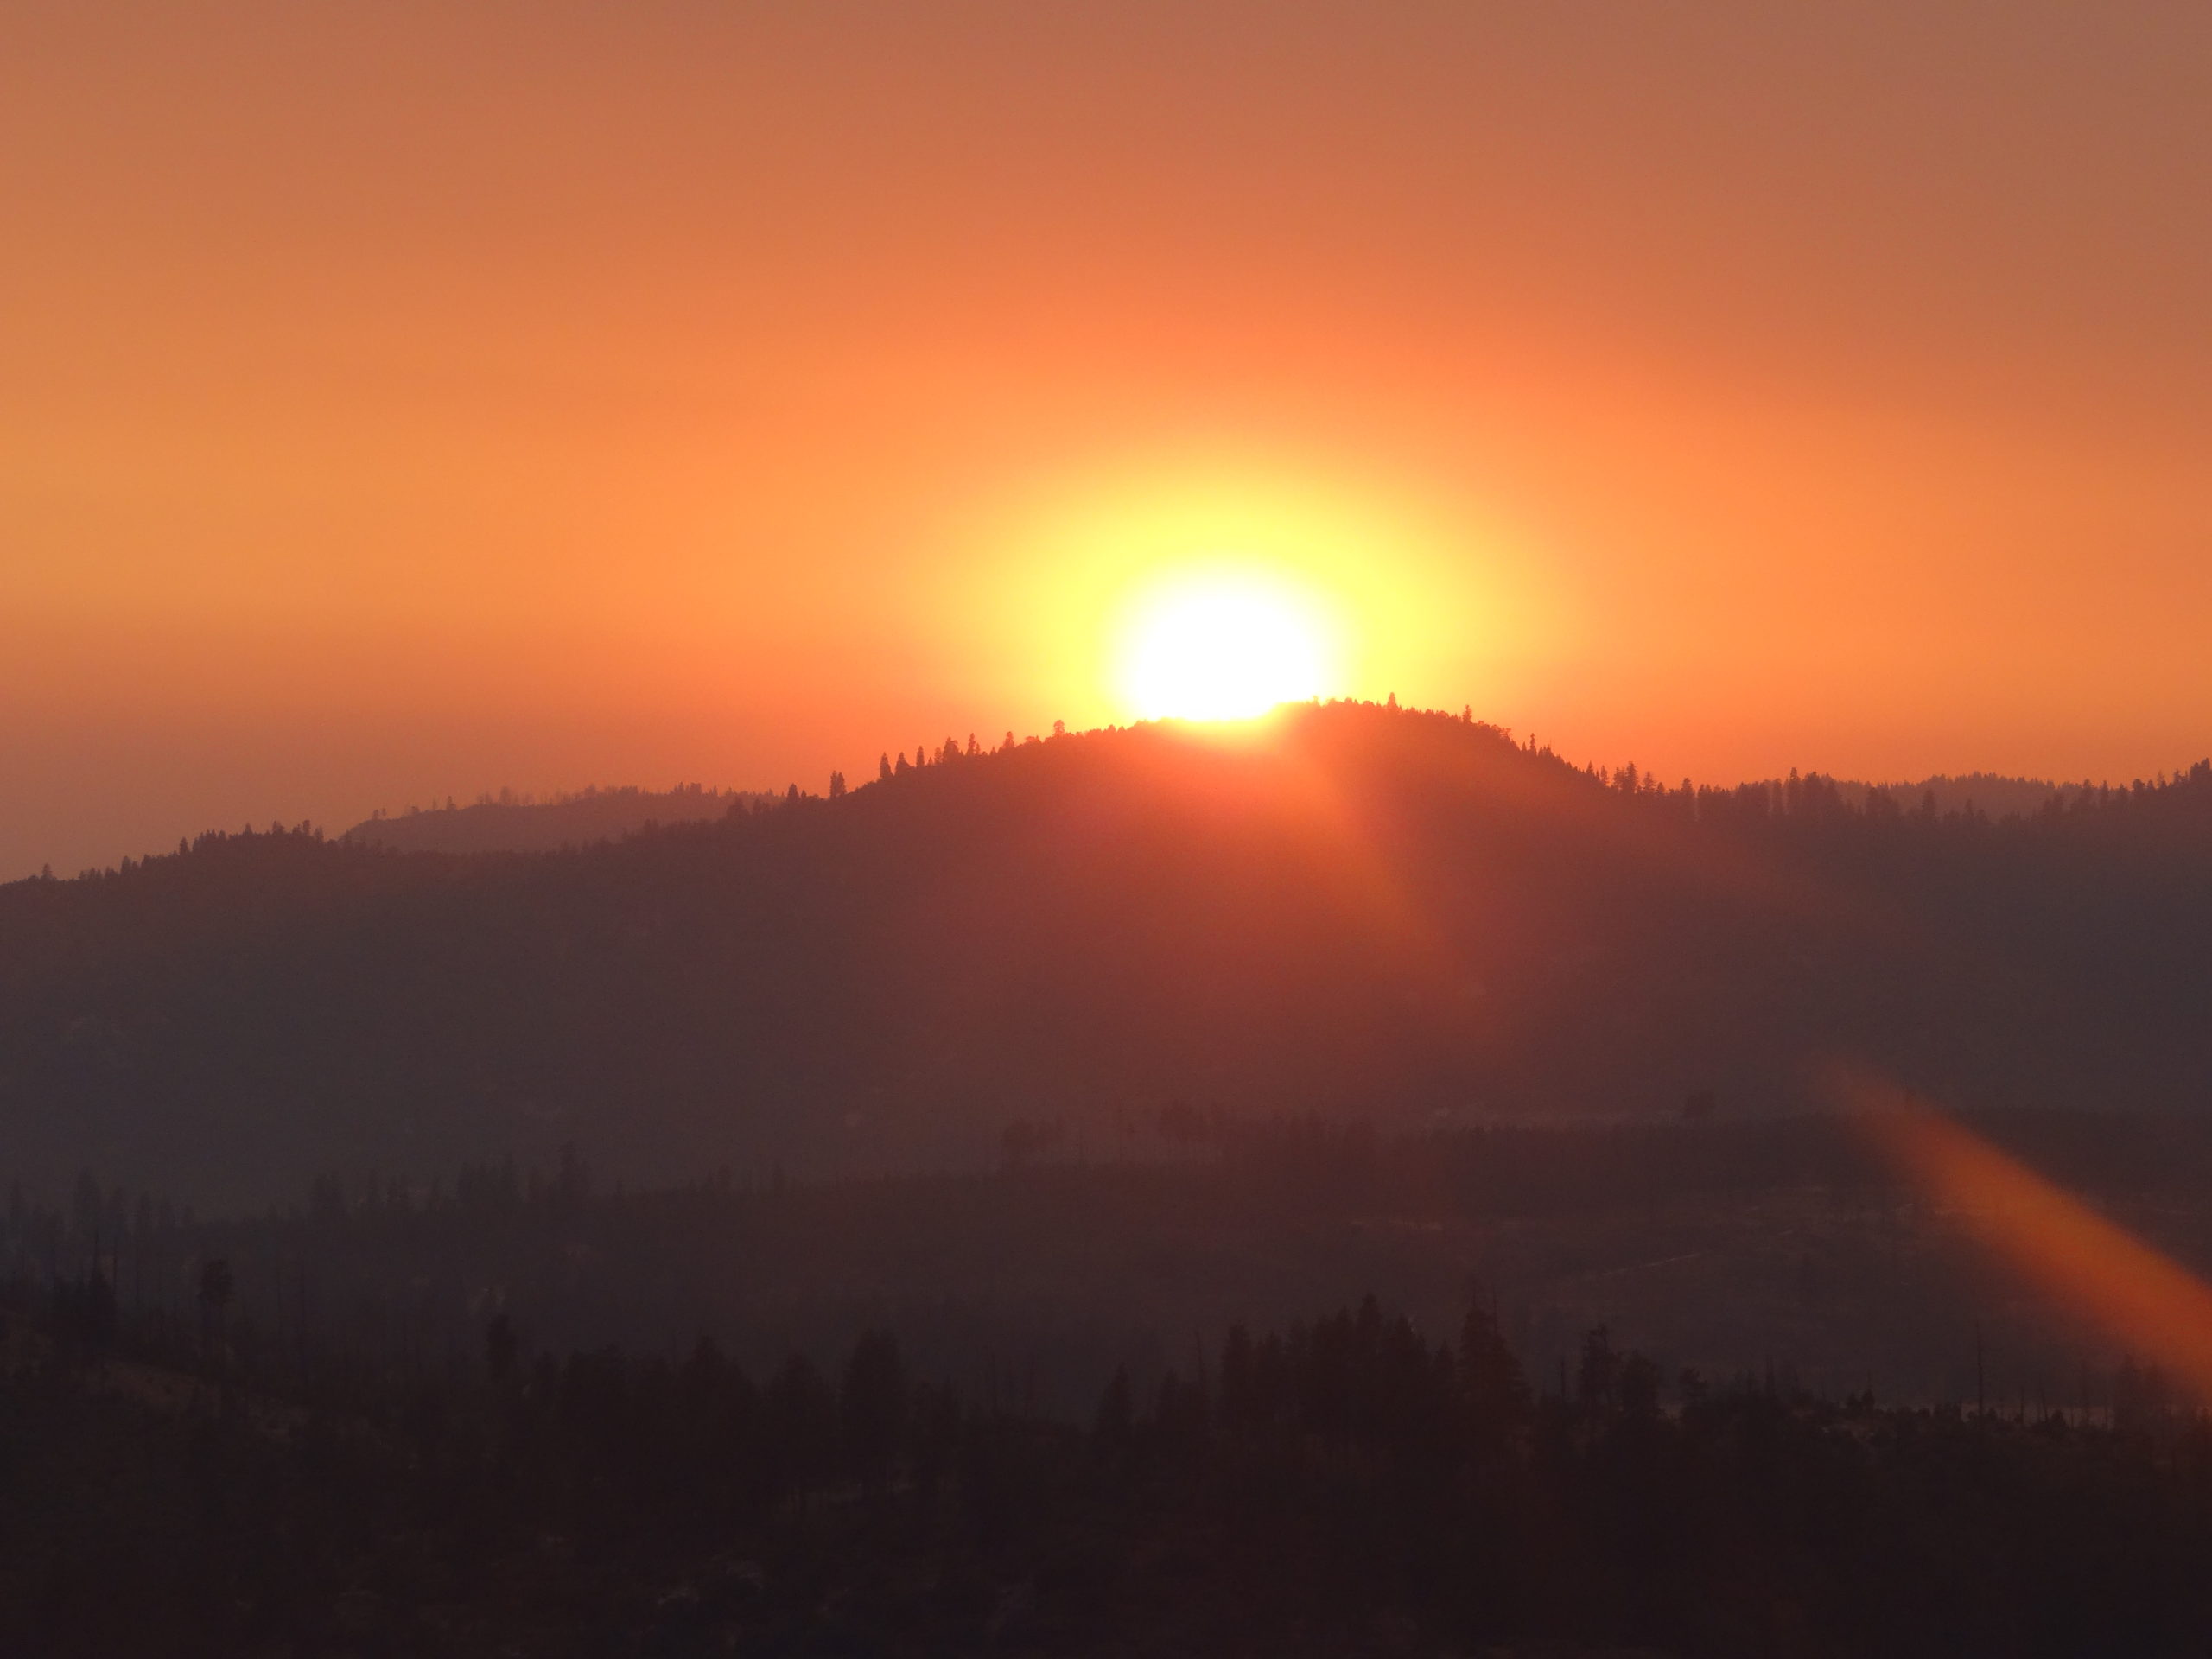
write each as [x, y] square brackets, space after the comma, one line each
[1224, 647]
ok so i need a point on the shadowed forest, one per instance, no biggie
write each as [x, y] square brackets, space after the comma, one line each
[1784, 1246]
[1346, 1485]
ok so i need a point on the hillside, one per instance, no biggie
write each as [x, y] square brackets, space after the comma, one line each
[580, 820]
[1359, 912]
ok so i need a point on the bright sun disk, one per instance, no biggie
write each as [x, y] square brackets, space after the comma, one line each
[1224, 648]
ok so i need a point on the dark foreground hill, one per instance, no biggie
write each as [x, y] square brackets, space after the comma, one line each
[1348, 1486]
[1352, 911]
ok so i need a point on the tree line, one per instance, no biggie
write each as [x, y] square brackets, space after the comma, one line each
[1347, 1484]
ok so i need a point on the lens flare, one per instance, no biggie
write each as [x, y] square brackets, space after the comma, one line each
[1226, 647]
[2087, 1263]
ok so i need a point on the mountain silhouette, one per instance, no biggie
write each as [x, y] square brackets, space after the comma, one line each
[1990, 794]
[1346, 910]
[507, 825]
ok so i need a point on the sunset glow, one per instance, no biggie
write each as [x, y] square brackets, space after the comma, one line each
[1225, 648]
[724, 393]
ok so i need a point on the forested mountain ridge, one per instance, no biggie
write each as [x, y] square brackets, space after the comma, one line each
[1354, 911]
[508, 825]
[1989, 794]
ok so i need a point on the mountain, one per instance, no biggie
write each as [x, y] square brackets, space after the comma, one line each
[580, 820]
[1346, 910]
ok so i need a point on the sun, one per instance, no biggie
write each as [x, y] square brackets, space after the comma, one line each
[1224, 645]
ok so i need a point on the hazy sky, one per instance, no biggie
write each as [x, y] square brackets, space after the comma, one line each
[398, 401]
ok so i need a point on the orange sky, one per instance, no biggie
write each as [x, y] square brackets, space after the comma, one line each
[408, 400]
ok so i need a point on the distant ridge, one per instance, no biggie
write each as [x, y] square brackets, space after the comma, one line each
[526, 826]
[1988, 793]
